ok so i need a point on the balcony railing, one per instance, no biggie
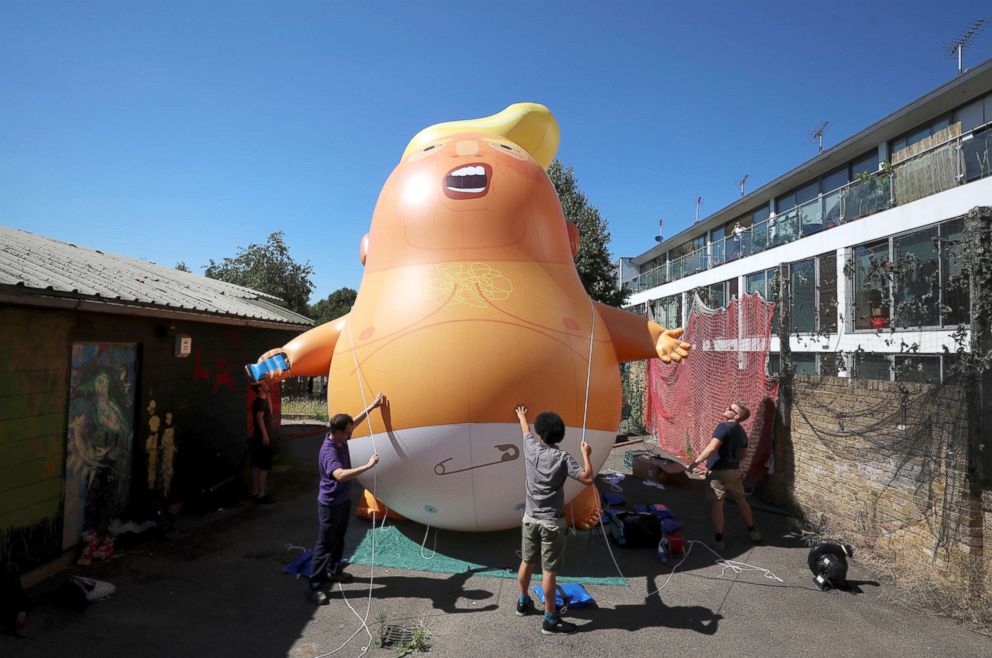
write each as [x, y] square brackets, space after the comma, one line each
[955, 162]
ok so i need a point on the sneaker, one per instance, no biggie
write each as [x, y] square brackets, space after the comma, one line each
[559, 625]
[755, 535]
[718, 545]
[525, 608]
[319, 597]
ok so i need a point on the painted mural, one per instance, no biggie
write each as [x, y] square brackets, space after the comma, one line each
[160, 450]
[100, 436]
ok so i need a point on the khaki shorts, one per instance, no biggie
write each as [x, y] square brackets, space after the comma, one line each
[723, 482]
[544, 542]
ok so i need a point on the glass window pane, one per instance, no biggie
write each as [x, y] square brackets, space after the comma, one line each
[773, 363]
[872, 366]
[771, 276]
[867, 162]
[977, 154]
[988, 108]
[804, 363]
[955, 296]
[804, 296]
[970, 116]
[916, 279]
[807, 192]
[917, 136]
[829, 364]
[718, 295]
[828, 292]
[785, 202]
[896, 146]
[760, 215]
[756, 283]
[871, 286]
[834, 181]
[937, 126]
[923, 369]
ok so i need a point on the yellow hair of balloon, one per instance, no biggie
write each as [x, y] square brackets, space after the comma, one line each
[529, 125]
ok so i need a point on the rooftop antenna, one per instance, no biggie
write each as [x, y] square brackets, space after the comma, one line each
[661, 226]
[699, 202]
[817, 135]
[957, 48]
[742, 182]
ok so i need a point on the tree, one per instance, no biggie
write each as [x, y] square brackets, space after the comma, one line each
[182, 266]
[270, 269]
[596, 269]
[337, 304]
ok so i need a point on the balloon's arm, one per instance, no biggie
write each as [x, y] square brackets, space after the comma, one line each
[309, 354]
[636, 338]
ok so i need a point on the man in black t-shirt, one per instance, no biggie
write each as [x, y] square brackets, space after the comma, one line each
[723, 461]
[260, 443]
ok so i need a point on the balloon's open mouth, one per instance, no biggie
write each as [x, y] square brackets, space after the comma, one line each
[468, 182]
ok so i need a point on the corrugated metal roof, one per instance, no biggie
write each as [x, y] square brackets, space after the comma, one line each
[30, 262]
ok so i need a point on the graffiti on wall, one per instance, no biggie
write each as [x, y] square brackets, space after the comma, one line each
[100, 435]
[160, 449]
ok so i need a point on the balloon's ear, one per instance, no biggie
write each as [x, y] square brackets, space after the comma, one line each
[574, 241]
[363, 249]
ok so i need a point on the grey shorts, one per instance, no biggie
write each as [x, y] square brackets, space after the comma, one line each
[544, 542]
[723, 482]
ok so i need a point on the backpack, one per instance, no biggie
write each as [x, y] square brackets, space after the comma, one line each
[635, 530]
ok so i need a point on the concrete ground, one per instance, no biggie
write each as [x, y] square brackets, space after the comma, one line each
[214, 587]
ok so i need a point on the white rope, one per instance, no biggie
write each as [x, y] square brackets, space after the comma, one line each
[585, 416]
[424, 543]
[733, 565]
[375, 479]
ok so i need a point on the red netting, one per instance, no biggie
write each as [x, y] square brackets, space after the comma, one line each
[683, 403]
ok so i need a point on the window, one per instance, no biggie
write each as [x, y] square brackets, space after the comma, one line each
[718, 247]
[804, 363]
[785, 202]
[916, 285]
[924, 280]
[971, 116]
[828, 292]
[920, 133]
[764, 283]
[955, 294]
[756, 240]
[830, 365]
[831, 184]
[871, 288]
[718, 295]
[756, 283]
[867, 162]
[872, 366]
[917, 368]
[803, 294]
[668, 311]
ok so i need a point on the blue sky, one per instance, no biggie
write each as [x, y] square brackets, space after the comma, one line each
[178, 131]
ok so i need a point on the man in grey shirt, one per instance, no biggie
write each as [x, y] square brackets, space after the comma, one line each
[544, 532]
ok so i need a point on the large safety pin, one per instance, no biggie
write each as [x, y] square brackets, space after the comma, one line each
[510, 452]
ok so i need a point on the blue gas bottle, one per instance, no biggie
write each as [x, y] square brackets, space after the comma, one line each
[256, 371]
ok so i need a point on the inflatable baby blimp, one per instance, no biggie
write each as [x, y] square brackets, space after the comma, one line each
[470, 304]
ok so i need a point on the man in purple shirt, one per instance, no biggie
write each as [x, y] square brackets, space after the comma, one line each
[334, 501]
